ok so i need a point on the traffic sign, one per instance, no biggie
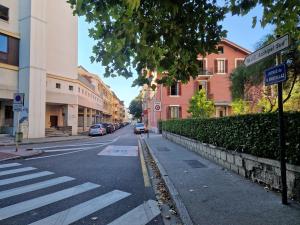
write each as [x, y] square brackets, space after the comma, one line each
[157, 106]
[276, 46]
[17, 107]
[275, 74]
[19, 98]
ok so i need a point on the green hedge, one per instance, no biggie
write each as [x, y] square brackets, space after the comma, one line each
[255, 134]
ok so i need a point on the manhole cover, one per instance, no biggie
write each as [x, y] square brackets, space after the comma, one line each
[163, 149]
[194, 163]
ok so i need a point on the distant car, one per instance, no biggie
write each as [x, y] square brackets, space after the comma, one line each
[97, 129]
[140, 128]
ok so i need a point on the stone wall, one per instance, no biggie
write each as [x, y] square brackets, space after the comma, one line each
[261, 170]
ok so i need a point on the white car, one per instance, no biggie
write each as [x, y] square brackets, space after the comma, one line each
[97, 129]
[140, 128]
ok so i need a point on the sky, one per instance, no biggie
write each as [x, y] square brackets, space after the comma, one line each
[239, 29]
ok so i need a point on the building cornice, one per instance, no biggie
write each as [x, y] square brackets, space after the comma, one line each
[9, 67]
[11, 34]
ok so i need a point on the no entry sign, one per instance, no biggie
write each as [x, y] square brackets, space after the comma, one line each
[157, 106]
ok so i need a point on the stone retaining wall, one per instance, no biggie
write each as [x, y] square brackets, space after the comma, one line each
[261, 170]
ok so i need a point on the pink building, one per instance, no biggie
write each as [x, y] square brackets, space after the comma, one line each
[214, 77]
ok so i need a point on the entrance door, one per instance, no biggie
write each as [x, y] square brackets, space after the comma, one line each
[53, 121]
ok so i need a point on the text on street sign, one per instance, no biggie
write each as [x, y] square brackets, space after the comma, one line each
[275, 74]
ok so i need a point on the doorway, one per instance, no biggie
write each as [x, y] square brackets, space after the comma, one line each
[53, 121]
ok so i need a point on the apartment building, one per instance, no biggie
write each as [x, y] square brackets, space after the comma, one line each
[38, 57]
[213, 77]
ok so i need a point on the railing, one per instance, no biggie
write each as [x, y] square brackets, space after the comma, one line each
[205, 71]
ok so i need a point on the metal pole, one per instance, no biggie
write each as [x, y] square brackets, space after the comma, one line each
[281, 140]
[17, 131]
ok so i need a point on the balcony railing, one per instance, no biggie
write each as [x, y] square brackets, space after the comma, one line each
[204, 71]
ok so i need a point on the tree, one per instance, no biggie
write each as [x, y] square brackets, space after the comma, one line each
[240, 107]
[200, 107]
[135, 108]
[157, 35]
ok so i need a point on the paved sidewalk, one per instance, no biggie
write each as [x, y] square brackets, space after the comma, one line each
[21, 153]
[9, 141]
[215, 196]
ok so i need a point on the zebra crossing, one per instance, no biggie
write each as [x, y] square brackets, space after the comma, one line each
[141, 215]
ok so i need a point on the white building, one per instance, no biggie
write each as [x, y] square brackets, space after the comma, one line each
[38, 57]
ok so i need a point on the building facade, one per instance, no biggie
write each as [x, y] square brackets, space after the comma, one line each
[213, 77]
[38, 57]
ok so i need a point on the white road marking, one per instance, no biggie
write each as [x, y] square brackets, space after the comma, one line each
[9, 165]
[25, 177]
[140, 215]
[84, 209]
[7, 172]
[115, 150]
[34, 187]
[79, 145]
[35, 203]
[70, 149]
[49, 156]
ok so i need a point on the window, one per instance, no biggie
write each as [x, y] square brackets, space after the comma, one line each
[174, 112]
[200, 87]
[220, 50]
[239, 62]
[4, 12]
[71, 87]
[8, 112]
[9, 50]
[58, 85]
[221, 66]
[175, 89]
[3, 43]
[79, 89]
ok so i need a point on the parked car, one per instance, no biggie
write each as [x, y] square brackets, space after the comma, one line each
[140, 128]
[97, 129]
[109, 128]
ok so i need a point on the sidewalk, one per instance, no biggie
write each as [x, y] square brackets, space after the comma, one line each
[214, 196]
[21, 153]
[9, 141]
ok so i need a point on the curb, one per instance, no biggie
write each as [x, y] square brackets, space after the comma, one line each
[182, 211]
[40, 152]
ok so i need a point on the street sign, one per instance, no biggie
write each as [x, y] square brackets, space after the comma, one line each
[157, 106]
[275, 74]
[17, 107]
[276, 46]
[18, 102]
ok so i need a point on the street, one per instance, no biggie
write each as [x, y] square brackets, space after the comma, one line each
[72, 183]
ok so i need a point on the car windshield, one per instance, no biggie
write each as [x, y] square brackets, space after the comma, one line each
[95, 126]
[139, 125]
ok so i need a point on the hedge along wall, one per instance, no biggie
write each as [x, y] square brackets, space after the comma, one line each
[255, 134]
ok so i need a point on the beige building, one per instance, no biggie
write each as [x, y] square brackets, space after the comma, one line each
[38, 57]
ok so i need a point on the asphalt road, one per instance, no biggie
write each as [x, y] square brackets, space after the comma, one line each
[71, 184]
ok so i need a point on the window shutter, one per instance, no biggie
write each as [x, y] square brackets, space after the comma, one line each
[179, 88]
[216, 66]
[180, 112]
[168, 112]
[168, 90]
[226, 66]
[196, 85]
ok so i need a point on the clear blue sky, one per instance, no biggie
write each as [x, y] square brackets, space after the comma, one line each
[239, 30]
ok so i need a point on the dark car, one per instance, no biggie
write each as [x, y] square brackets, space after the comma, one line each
[109, 128]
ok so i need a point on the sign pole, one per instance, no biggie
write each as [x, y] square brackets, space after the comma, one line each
[281, 139]
[17, 131]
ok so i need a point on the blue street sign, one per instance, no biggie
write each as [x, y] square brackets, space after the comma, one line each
[275, 74]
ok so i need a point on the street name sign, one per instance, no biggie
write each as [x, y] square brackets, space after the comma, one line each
[275, 74]
[276, 46]
[157, 106]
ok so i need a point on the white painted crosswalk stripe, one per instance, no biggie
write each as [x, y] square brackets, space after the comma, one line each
[8, 172]
[84, 209]
[70, 146]
[25, 177]
[140, 215]
[9, 165]
[38, 202]
[34, 187]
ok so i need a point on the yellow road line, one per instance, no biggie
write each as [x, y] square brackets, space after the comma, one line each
[144, 168]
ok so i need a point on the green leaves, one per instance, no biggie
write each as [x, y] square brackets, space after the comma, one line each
[255, 134]
[200, 107]
[152, 34]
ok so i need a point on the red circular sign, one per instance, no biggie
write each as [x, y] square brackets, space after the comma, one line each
[157, 107]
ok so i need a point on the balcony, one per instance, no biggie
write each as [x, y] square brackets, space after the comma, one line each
[205, 72]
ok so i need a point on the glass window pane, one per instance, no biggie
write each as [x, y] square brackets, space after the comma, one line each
[3, 43]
